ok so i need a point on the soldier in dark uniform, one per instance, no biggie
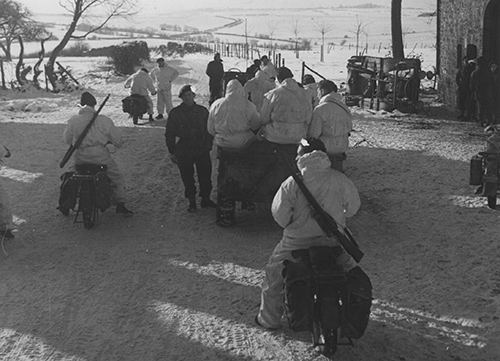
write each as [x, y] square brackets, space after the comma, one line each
[483, 87]
[215, 71]
[188, 122]
[465, 101]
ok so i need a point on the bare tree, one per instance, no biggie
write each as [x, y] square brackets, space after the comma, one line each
[13, 20]
[36, 68]
[271, 29]
[396, 30]
[360, 29]
[295, 31]
[107, 9]
[324, 28]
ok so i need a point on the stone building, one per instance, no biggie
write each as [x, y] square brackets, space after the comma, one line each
[462, 23]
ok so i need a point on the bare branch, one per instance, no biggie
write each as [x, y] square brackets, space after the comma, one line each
[66, 7]
[93, 30]
[79, 8]
[90, 4]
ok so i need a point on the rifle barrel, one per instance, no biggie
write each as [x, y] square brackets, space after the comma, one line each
[80, 138]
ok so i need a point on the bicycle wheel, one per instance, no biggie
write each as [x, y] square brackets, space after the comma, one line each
[330, 346]
[87, 204]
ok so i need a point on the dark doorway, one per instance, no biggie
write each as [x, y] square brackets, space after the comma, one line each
[491, 45]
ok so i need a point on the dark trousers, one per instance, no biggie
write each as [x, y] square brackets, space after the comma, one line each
[485, 111]
[186, 164]
[215, 90]
[466, 105]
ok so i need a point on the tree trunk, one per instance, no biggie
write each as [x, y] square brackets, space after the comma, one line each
[6, 50]
[49, 67]
[396, 30]
[20, 61]
[36, 68]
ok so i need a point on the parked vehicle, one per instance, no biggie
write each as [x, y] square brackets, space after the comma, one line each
[234, 73]
[389, 84]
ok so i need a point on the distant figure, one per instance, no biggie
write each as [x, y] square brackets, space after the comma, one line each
[141, 83]
[215, 71]
[268, 67]
[286, 111]
[163, 76]
[331, 123]
[233, 119]
[256, 87]
[483, 88]
[465, 102]
[311, 88]
[252, 69]
[5, 212]
[189, 145]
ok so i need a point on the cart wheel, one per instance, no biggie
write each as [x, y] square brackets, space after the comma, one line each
[492, 202]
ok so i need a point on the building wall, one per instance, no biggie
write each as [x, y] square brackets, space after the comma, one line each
[461, 22]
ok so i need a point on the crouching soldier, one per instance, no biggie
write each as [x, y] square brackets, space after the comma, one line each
[188, 123]
[335, 193]
[94, 147]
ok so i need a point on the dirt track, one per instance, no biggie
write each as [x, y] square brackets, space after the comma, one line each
[169, 285]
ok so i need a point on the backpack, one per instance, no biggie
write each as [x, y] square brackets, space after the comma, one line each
[134, 104]
[67, 192]
[103, 191]
[299, 302]
[316, 273]
[356, 304]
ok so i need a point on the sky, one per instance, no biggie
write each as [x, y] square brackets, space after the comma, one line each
[168, 6]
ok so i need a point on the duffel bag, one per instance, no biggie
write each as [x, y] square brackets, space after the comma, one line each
[134, 104]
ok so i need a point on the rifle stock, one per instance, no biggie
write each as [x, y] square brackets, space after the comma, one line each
[79, 141]
[326, 222]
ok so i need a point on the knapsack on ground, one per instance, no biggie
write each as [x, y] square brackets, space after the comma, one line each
[134, 104]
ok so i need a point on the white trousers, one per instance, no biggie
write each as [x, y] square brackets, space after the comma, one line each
[164, 98]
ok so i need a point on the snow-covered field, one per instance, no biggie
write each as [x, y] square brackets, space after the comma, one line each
[170, 285]
[336, 17]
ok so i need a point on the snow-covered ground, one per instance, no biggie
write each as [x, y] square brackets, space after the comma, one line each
[170, 285]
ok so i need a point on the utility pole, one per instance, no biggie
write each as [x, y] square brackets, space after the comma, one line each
[246, 41]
